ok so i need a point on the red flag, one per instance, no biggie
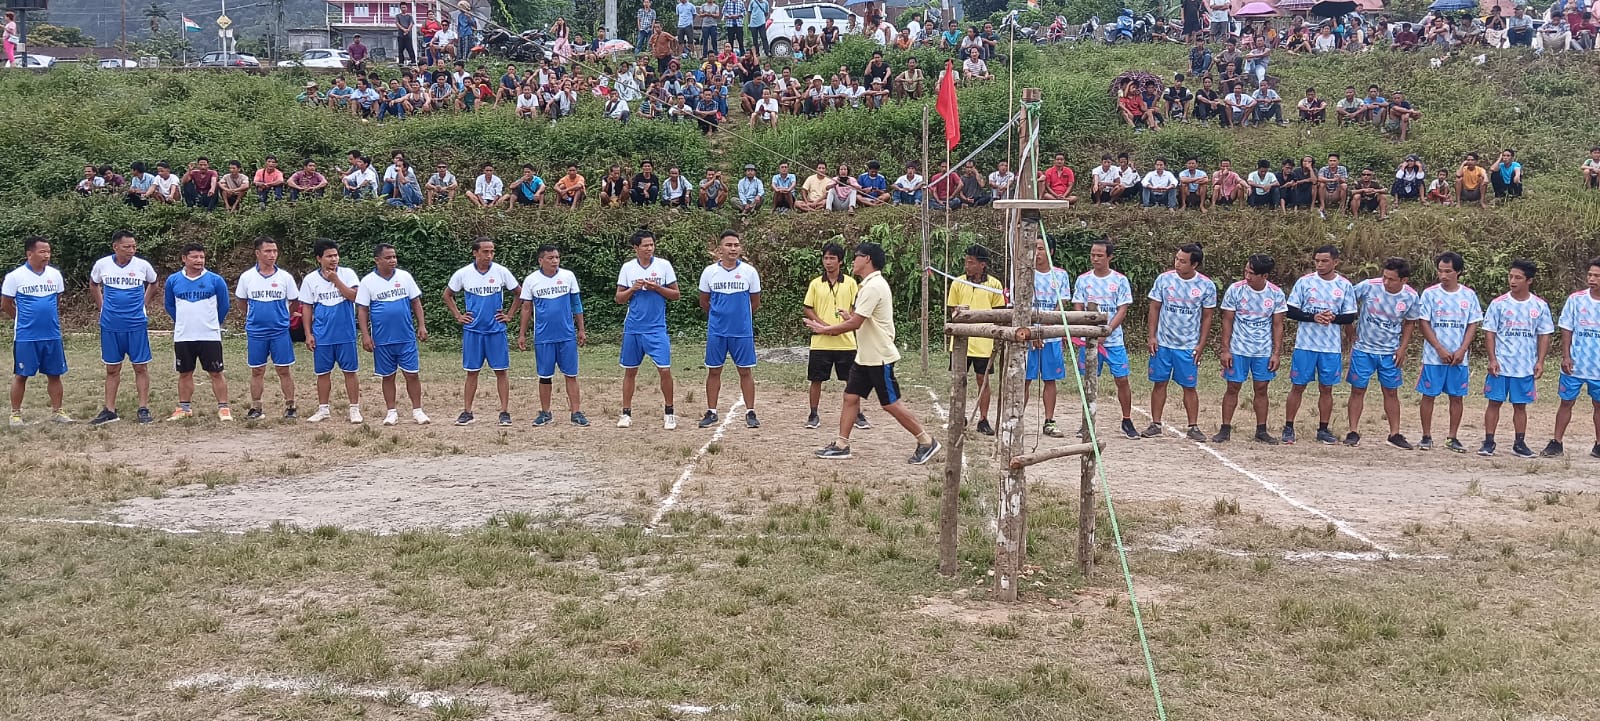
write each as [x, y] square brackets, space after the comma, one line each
[946, 105]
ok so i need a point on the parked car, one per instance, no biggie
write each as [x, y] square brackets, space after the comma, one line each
[229, 60]
[116, 64]
[781, 35]
[319, 58]
[36, 60]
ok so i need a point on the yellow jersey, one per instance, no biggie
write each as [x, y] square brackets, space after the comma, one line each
[875, 338]
[830, 301]
[963, 295]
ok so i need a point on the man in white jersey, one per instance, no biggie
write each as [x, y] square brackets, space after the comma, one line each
[267, 290]
[327, 303]
[197, 301]
[1388, 305]
[31, 297]
[389, 317]
[1580, 358]
[1517, 328]
[1111, 294]
[550, 299]
[1052, 290]
[646, 284]
[1322, 303]
[1251, 344]
[123, 285]
[483, 284]
[1182, 302]
[730, 293]
[1450, 315]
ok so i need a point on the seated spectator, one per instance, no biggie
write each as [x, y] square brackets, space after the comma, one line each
[1227, 187]
[1442, 190]
[441, 183]
[268, 181]
[1200, 59]
[112, 180]
[1333, 181]
[974, 68]
[400, 190]
[814, 191]
[855, 95]
[91, 181]
[1555, 34]
[1177, 98]
[1366, 194]
[308, 182]
[973, 190]
[908, 187]
[234, 184]
[1269, 105]
[706, 113]
[563, 102]
[1591, 169]
[1058, 180]
[489, 191]
[366, 102]
[442, 94]
[751, 93]
[1519, 27]
[676, 190]
[1160, 186]
[814, 100]
[1470, 182]
[1399, 114]
[783, 189]
[1192, 183]
[1375, 104]
[1299, 184]
[571, 188]
[339, 95]
[528, 190]
[613, 188]
[1104, 178]
[1002, 182]
[1506, 173]
[1350, 109]
[713, 191]
[751, 193]
[509, 83]
[1241, 106]
[908, 84]
[139, 184]
[645, 187]
[202, 181]
[1208, 103]
[1129, 181]
[1263, 186]
[1405, 38]
[1312, 108]
[844, 191]
[1325, 41]
[1408, 179]
[1300, 42]
[361, 182]
[617, 109]
[944, 189]
[527, 102]
[310, 95]
[872, 186]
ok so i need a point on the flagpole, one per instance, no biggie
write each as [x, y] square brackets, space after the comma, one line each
[925, 258]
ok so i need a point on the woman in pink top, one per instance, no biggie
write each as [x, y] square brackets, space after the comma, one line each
[11, 39]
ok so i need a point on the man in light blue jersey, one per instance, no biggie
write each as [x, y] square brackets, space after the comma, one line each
[1322, 303]
[550, 299]
[123, 285]
[1111, 294]
[1449, 318]
[1580, 358]
[483, 284]
[1047, 363]
[1387, 308]
[1182, 302]
[390, 320]
[730, 293]
[1251, 344]
[31, 297]
[646, 284]
[197, 301]
[1517, 329]
[266, 290]
[327, 306]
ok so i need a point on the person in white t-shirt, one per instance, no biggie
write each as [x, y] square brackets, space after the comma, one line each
[1105, 177]
[1160, 186]
[765, 111]
[1217, 13]
[442, 182]
[164, 187]
[527, 103]
[1002, 182]
[907, 189]
[489, 190]
[974, 68]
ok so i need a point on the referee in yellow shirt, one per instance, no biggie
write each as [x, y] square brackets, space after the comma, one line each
[977, 291]
[829, 299]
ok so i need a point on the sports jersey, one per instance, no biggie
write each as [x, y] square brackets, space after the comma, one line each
[963, 294]
[388, 303]
[1182, 303]
[555, 300]
[197, 305]
[1581, 316]
[483, 294]
[267, 313]
[730, 291]
[830, 301]
[1254, 312]
[1383, 316]
[1517, 325]
[1448, 314]
[1052, 290]
[647, 309]
[37, 296]
[1312, 294]
[1109, 294]
[123, 288]
[334, 320]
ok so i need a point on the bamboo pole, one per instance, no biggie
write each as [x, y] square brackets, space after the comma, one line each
[1037, 457]
[954, 460]
[1087, 465]
[925, 256]
[1025, 333]
[1040, 317]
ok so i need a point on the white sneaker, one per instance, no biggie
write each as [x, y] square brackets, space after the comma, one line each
[418, 416]
[625, 421]
[391, 418]
[320, 416]
[355, 414]
[670, 422]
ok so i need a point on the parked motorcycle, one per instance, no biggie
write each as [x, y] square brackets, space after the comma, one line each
[1129, 28]
[529, 46]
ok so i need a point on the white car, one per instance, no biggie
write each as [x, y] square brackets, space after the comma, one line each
[782, 37]
[333, 58]
[36, 60]
[116, 64]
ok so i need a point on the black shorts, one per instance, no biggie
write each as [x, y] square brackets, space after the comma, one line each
[864, 380]
[1368, 203]
[979, 366]
[207, 352]
[822, 362]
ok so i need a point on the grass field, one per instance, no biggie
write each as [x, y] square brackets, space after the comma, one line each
[282, 571]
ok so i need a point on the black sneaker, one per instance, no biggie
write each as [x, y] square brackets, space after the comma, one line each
[290, 413]
[1451, 444]
[254, 414]
[986, 429]
[833, 452]
[709, 420]
[1487, 449]
[1128, 431]
[1521, 450]
[1195, 434]
[542, 418]
[1051, 430]
[465, 419]
[145, 417]
[1398, 441]
[1326, 437]
[1426, 444]
[504, 420]
[1288, 435]
[106, 416]
[1595, 451]
[1553, 449]
[1151, 431]
[579, 419]
[1352, 439]
[861, 422]
[1224, 434]
[924, 453]
[1263, 436]
[750, 420]
[812, 421]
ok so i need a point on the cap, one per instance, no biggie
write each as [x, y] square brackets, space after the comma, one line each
[816, 77]
[464, 5]
[311, 85]
[1412, 157]
[749, 166]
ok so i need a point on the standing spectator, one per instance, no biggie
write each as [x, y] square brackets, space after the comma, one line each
[466, 30]
[405, 25]
[709, 19]
[756, 21]
[663, 46]
[733, 12]
[1218, 14]
[1506, 173]
[358, 55]
[645, 22]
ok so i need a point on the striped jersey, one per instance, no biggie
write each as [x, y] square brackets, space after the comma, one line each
[1449, 314]
[1517, 325]
[1182, 304]
[1313, 294]
[1580, 315]
[1383, 316]
[1254, 312]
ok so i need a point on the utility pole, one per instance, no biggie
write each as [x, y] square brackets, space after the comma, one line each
[124, 4]
[611, 18]
[279, 41]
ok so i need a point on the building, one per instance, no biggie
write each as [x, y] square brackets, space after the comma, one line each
[373, 20]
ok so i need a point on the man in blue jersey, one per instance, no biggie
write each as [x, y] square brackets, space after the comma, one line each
[1052, 290]
[1322, 303]
[1111, 293]
[1387, 307]
[730, 293]
[1580, 358]
[1182, 301]
[123, 284]
[327, 307]
[267, 291]
[1450, 315]
[484, 284]
[550, 299]
[31, 297]
[646, 284]
[389, 317]
[197, 301]
[1251, 344]
[1517, 328]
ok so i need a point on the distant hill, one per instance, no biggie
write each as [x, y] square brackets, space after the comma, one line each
[102, 19]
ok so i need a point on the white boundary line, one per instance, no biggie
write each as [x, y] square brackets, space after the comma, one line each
[1298, 555]
[230, 683]
[983, 505]
[131, 526]
[688, 470]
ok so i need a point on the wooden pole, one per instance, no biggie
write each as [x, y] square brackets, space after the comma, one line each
[1087, 466]
[1037, 457]
[1040, 317]
[926, 276]
[954, 460]
[1025, 333]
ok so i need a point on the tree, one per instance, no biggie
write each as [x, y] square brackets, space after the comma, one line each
[45, 35]
[155, 13]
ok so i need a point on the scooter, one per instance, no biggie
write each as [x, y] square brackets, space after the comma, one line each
[1122, 30]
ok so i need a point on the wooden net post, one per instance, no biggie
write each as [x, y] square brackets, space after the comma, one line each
[954, 460]
[1087, 465]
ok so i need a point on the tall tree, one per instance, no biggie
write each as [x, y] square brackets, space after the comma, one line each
[155, 13]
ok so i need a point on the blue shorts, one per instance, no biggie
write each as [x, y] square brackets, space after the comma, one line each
[1307, 365]
[635, 346]
[479, 349]
[547, 356]
[386, 359]
[719, 347]
[279, 349]
[1245, 367]
[1364, 364]
[1113, 357]
[1571, 386]
[1519, 391]
[1449, 380]
[1046, 364]
[1171, 364]
[325, 356]
[131, 344]
[39, 356]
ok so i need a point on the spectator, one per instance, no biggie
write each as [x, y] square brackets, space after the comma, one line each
[713, 192]
[466, 29]
[488, 191]
[783, 189]
[443, 42]
[613, 188]
[1470, 182]
[527, 103]
[441, 183]
[1326, 41]
[908, 187]
[1591, 169]
[1269, 106]
[309, 95]
[706, 113]
[1312, 108]
[361, 182]
[1230, 64]
[1130, 182]
[1367, 195]
[1405, 39]
[877, 95]
[1177, 97]
[751, 192]
[1506, 173]
[1300, 42]
[1058, 181]
[1519, 27]
[1375, 105]
[1442, 190]
[204, 181]
[843, 191]
[1300, 184]
[571, 188]
[1350, 109]
[1263, 186]
[1208, 103]
[1217, 13]
[1160, 186]
[1192, 185]
[358, 55]
[664, 46]
[1130, 102]
[400, 189]
[1399, 114]
[872, 187]
[944, 190]
[1105, 179]
[1256, 61]
[814, 100]
[644, 22]
[908, 84]
[676, 190]
[1241, 106]
[733, 12]
[617, 108]
[1226, 185]
[308, 182]
[234, 185]
[366, 101]
[528, 190]
[974, 68]
[139, 184]
[973, 191]
[1199, 59]
[645, 187]
[1333, 185]
[814, 191]
[708, 18]
[1408, 179]
[1002, 182]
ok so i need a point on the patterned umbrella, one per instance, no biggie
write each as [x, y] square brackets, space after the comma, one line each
[1295, 6]
[1261, 10]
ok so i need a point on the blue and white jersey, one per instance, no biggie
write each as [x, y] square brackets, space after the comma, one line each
[1052, 291]
[267, 313]
[123, 288]
[1581, 316]
[1110, 294]
[1182, 304]
[37, 296]
[1517, 325]
[333, 321]
[647, 309]
[1253, 314]
[1449, 314]
[1312, 294]
[197, 306]
[1383, 316]
[484, 295]
[730, 290]
[555, 300]
[388, 304]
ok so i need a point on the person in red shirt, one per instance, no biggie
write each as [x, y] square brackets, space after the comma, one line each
[1058, 181]
[204, 181]
[944, 191]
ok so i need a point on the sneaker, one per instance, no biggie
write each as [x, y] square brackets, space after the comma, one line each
[669, 422]
[812, 421]
[178, 414]
[465, 419]
[105, 416]
[145, 417]
[1224, 434]
[504, 419]
[16, 420]
[391, 417]
[579, 419]
[1151, 431]
[1452, 444]
[1352, 439]
[1288, 435]
[290, 413]
[1051, 430]
[420, 417]
[861, 422]
[1128, 430]
[1326, 437]
[1487, 449]
[834, 453]
[1398, 441]
[1595, 451]
[1553, 449]
[254, 414]
[543, 418]
[750, 420]
[709, 419]
[322, 414]
[986, 429]
[624, 420]
[924, 453]
[1267, 438]
[225, 415]
[1521, 450]
[1426, 444]
[355, 415]
[60, 416]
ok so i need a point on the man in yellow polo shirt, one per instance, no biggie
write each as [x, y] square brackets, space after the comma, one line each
[978, 291]
[873, 372]
[828, 300]
[1470, 182]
